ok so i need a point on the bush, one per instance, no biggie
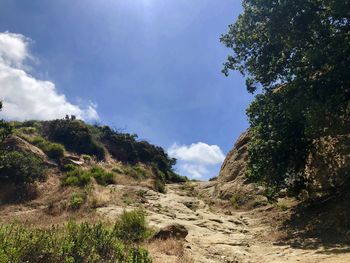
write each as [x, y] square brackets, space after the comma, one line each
[20, 168]
[135, 171]
[27, 130]
[6, 129]
[101, 176]
[72, 243]
[52, 150]
[132, 226]
[75, 135]
[159, 186]
[68, 167]
[125, 147]
[76, 177]
[176, 178]
[77, 200]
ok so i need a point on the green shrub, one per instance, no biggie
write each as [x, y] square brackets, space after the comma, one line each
[20, 168]
[126, 148]
[27, 130]
[75, 135]
[68, 167]
[77, 200]
[101, 176]
[132, 226]
[176, 178]
[52, 150]
[74, 242]
[135, 171]
[87, 158]
[76, 177]
[159, 186]
[6, 129]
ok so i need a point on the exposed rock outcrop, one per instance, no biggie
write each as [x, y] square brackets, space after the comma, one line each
[15, 143]
[232, 182]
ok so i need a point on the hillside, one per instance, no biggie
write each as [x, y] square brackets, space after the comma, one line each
[53, 172]
[226, 220]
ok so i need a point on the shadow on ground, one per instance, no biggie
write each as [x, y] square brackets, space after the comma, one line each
[322, 223]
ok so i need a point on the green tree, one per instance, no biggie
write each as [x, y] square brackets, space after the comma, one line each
[297, 53]
[5, 128]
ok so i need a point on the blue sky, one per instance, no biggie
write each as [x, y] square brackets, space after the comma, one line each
[152, 67]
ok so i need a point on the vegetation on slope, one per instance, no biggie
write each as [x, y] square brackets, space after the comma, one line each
[77, 242]
[297, 53]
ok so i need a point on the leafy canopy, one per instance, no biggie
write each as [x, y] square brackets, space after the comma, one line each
[297, 53]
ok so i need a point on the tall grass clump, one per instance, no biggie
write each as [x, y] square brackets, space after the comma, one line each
[132, 226]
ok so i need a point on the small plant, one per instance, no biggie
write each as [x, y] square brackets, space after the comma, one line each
[101, 176]
[87, 158]
[141, 193]
[237, 200]
[132, 226]
[52, 150]
[50, 207]
[68, 167]
[76, 177]
[136, 171]
[118, 170]
[77, 200]
[159, 186]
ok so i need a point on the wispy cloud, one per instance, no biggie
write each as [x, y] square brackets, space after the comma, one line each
[195, 160]
[26, 97]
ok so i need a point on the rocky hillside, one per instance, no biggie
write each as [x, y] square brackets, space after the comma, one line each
[231, 183]
[321, 211]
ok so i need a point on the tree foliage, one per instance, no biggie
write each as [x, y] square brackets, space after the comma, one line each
[75, 135]
[5, 128]
[297, 53]
[20, 168]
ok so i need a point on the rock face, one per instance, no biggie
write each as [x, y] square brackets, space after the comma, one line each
[15, 143]
[327, 168]
[172, 231]
[232, 182]
[328, 164]
[235, 163]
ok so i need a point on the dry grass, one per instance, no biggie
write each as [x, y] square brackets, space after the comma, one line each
[168, 251]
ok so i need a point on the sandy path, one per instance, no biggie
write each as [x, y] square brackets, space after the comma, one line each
[215, 237]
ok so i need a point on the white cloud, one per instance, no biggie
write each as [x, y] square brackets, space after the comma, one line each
[26, 97]
[197, 159]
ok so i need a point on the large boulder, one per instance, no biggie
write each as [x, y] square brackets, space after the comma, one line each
[15, 143]
[231, 182]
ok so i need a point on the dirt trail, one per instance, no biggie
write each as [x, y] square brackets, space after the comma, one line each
[215, 237]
